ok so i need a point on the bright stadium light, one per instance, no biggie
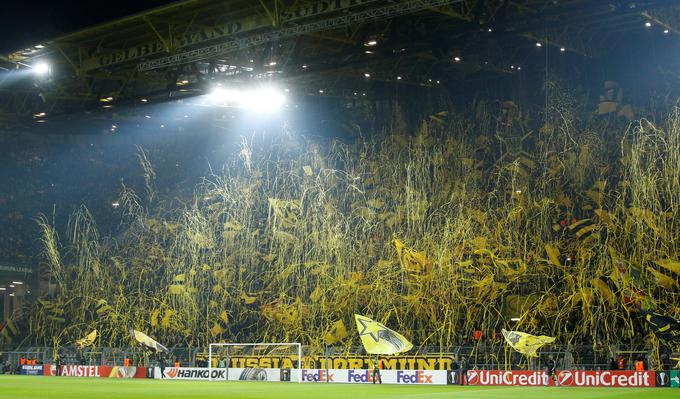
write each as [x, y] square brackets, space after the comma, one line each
[267, 100]
[220, 95]
[514, 319]
[41, 68]
[264, 99]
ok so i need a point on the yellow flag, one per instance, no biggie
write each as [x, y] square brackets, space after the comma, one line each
[526, 344]
[147, 341]
[380, 340]
[88, 340]
[337, 333]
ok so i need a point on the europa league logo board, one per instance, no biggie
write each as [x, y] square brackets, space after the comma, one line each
[663, 379]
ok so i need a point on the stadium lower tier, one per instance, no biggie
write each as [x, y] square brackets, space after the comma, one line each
[571, 378]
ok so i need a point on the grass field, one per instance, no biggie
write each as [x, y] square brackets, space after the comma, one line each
[28, 387]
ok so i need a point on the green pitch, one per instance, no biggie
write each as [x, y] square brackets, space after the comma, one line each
[30, 387]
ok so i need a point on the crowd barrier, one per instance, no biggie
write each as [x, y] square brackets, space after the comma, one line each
[571, 378]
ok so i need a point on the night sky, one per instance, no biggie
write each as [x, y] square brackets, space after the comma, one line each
[25, 23]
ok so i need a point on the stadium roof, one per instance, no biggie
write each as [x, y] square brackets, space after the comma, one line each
[337, 46]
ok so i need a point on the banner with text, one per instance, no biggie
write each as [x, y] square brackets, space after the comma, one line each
[564, 377]
[438, 362]
[191, 373]
[96, 371]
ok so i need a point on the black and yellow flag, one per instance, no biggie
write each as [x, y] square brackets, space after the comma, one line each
[380, 340]
[147, 341]
[524, 343]
[665, 327]
[88, 340]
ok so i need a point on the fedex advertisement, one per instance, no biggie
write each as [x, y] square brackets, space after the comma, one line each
[432, 377]
[318, 375]
[565, 378]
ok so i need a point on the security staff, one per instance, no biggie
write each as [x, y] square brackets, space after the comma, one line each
[463, 371]
[161, 365]
[377, 365]
[551, 366]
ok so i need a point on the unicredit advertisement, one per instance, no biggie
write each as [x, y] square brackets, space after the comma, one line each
[638, 379]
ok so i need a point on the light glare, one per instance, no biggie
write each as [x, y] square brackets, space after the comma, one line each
[42, 68]
[265, 99]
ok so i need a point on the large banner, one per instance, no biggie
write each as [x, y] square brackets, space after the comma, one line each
[565, 378]
[224, 30]
[365, 376]
[351, 376]
[96, 371]
[442, 362]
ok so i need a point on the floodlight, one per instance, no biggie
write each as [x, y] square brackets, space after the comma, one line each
[514, 319]
[263, 99]
[41, 68]
[220, 95]
[267, 99]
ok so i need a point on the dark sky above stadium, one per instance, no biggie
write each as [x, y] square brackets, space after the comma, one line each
[24, 22]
